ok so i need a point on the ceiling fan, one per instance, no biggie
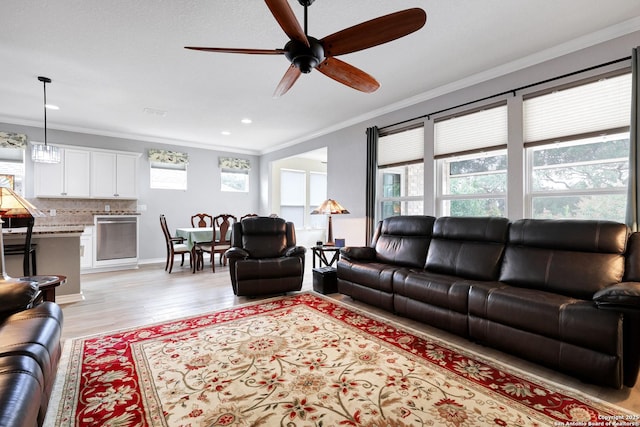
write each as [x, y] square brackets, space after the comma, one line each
[306, 53]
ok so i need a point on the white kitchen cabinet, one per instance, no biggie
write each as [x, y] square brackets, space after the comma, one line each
[114, 175]
[69, 178]
[86, 248]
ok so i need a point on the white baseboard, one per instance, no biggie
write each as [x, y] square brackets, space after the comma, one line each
[109, 268]
[68, 299]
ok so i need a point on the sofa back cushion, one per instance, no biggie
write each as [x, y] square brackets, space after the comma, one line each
[403, 240]
[632, 259]
[571, 257]
[468, 247]
[265, 237]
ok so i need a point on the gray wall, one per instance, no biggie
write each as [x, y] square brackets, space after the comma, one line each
[346, 153]
[203, 193]
[346, 148]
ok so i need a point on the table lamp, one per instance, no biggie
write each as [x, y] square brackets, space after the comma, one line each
[329, 207]
[17, 212]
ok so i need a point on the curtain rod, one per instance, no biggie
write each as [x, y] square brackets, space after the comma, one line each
[573, 73]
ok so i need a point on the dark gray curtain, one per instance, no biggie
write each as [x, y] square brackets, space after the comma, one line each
[372, 168]
[633, 195]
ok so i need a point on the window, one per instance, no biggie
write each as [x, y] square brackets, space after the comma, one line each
[401, 173]
[577, 148]
[168, 177]
[232, 180]
[474, 185]
[167, 169]
[586, 178]
[472, 163]
[317, 195]
[293, 196]
[234, 174]
[12, 169]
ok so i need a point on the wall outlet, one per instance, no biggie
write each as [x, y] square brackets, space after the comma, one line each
[52, 212]
[107, 208]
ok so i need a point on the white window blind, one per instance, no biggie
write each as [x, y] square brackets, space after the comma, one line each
[317, 188]
[292, 187]
[471, 132]
[593, 107]
[401, 147]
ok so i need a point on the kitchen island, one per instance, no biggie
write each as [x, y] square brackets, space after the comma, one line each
[57, 252]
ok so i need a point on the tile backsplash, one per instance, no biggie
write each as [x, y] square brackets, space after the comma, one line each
[80, 211]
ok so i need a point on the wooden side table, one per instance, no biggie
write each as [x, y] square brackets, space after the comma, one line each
[47, 285]
[321, 253]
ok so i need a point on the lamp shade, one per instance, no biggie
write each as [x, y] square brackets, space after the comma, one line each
[12, 205]
[14, 209]
[329, 207]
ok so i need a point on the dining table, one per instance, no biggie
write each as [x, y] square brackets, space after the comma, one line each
[193, 235]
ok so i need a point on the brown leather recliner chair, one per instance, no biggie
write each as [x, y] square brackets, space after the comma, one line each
[264, 258]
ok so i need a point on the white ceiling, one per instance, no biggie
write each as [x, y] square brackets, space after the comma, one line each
[112, 59]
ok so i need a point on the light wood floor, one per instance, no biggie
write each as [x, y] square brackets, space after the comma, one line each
[124, 299]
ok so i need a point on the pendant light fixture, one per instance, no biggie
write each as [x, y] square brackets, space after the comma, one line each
[43, 153]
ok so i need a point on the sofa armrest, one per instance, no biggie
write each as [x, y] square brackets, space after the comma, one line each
[17, 295]
[236, 253]
[295, 251]
[624, 296]
[358, 253]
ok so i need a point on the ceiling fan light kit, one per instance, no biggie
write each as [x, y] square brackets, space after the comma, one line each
[306, 53]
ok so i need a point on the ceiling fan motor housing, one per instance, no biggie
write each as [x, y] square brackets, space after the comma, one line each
[303, 57]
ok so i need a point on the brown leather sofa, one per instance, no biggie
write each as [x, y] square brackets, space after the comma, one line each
[264, 258]
[561, 293]
[29, 353]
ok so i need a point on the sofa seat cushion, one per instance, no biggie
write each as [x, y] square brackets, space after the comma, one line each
[374, 275]
[21, 389]
[269, 268]
[35, 333]
[555, 316]
[440, 290]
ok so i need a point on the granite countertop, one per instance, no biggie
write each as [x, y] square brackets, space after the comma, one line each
[115, 213]
[47, 229]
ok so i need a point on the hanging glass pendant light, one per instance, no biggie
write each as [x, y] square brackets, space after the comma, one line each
[43, 153]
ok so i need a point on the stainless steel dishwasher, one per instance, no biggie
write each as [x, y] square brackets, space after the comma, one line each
[116, 240]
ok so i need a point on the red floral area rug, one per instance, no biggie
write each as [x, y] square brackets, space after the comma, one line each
[301, 360]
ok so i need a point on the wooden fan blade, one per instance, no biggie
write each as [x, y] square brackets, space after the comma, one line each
[283, 13]
[234, 50]
[348, 75]
[372, 33]
[287, 81]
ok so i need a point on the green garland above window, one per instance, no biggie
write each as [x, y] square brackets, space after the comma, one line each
[234, 163]
[166, 156]
[13, 140]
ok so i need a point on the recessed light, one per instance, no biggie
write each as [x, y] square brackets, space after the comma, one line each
[225, 132]
[246, 121]
[155, 112]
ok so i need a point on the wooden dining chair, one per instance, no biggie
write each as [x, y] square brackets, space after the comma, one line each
[175, 246]
[221, 240]
[201, 220]
[249, 215]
